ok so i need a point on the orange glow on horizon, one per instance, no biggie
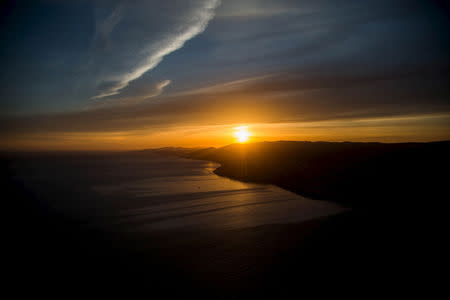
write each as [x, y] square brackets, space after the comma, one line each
[420, 128]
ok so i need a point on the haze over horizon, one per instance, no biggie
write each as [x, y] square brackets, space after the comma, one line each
[117, 75]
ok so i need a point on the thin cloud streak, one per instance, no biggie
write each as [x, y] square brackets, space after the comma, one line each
[150, 92]
[275, 98]
[106, 26]
[168, 45]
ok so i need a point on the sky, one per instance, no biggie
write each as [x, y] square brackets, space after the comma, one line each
[112, 75]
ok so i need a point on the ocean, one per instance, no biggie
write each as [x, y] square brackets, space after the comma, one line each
[148, 192]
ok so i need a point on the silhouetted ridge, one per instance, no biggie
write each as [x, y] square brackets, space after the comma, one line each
[347, 172]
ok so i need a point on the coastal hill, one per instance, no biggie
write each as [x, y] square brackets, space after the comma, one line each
[354, 174]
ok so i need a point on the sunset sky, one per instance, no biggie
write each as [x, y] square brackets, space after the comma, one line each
[113, 75]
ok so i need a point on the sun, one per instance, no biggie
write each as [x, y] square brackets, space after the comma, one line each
[242, 134]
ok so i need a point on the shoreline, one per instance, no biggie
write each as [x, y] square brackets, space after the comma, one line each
[356, 175]
[258, 259]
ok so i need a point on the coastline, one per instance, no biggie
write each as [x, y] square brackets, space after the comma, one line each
[353, 247]
[354, 175]
[258, 260]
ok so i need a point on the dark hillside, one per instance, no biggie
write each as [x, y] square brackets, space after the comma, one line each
[350, 173]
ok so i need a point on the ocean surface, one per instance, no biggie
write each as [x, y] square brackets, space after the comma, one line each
[171, 225]
[137, 192]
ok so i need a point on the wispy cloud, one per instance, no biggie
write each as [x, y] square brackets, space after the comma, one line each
[259, 8]
[156, 51]
[225, 86]
[255, 100]
[104, 27]
[140, 95]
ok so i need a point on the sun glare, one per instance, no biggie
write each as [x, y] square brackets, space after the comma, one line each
[242, 134]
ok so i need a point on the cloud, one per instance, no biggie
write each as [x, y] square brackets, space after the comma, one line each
[258, 8]
[105, 26]
[135, 96]
[279, 98]
[153, 51]
[235, 85]
[59, 68]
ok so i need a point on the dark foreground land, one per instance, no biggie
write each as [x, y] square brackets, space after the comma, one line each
[354, 174]
[390, 242]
